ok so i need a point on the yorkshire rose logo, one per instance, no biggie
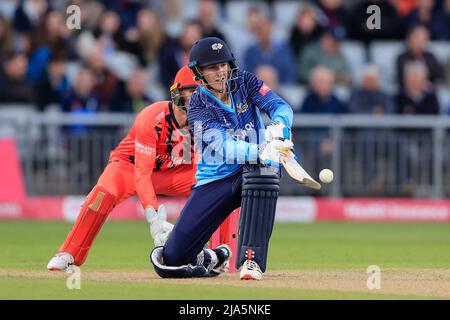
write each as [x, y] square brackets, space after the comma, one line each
[217, 46]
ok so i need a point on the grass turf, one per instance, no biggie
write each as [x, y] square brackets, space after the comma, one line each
[125, 246]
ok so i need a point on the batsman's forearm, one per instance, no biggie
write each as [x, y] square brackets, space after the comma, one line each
[240, 151]
[284, 114]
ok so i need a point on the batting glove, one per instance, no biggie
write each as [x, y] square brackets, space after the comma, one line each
[160, 229]
[277, 131]
[270, 153]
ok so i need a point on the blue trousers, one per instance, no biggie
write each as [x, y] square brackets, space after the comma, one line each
[205, 210]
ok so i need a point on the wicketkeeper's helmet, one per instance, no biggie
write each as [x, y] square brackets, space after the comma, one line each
[184, 79]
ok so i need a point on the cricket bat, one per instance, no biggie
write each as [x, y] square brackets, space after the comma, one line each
[295, 170]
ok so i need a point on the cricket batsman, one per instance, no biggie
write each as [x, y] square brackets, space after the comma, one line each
[149, 161]
[239, 167]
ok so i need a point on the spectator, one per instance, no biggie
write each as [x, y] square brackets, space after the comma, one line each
[305, 31]
[53, 33]
[14, 85]
[255, 16]
[50, 40]
[268, 75]
[207, 13]
[131, 96]
[175, 53]
[105, 81]
[432, 17]
[417, 43]
[108, 33]
[58, 81]
[417, 97]
[148, 39]
[29, 14]
[6, 39]
[390, 29]
[405, 7]
[326, 53]
[335, 16]
[127, 11]
[81, 98]
[268, 50]
[51, 37]
[369, 99]
[320, 98]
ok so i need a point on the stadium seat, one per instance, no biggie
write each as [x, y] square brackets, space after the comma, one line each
[355, 54]
[239, 40]
[280, 32]
[15, 122]
[443, 96]
[285, 13]
[188, 9]
[342, 93]
[72, 69]
[294, 95]
[384, 54]
[7, 9]
[236, 11]
[441, 49]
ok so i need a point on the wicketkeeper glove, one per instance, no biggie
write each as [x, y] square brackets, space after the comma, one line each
[159, 227]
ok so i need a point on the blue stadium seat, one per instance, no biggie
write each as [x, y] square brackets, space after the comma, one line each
[384, 54]
[236, 11]
[342, 93]
[355, 54]
[441, 49]
[294, 95]
[443, 95]
[285, 12]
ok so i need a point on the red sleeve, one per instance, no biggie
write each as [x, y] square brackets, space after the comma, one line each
[144, 157]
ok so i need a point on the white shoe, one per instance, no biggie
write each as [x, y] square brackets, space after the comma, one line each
[226, 255]
[60, 262]
[250, 271]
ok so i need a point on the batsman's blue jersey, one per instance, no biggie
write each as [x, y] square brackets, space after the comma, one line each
[225, 134]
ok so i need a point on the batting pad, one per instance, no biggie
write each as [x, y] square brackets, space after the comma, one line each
[260, 189]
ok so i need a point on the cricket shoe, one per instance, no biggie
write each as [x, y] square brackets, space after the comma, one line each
[224, 254]
[250, 271]
[61, 262]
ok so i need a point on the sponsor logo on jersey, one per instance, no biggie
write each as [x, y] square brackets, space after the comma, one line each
[141, 148]
[264, 89]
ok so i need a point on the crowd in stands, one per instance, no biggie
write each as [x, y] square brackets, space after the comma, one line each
[126, 53]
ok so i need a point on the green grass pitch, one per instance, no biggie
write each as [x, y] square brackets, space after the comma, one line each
[306, 261]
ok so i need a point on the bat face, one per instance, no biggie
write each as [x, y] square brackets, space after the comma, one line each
[295, 170]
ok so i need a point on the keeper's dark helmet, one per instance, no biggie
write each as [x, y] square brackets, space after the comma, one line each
[208, 51]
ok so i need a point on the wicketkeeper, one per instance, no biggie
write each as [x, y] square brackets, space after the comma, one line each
[155, 158]
[238, 167]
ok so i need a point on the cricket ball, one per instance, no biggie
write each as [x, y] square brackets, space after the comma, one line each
[326, 176]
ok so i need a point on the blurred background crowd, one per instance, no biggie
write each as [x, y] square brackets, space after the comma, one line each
[319, 55]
